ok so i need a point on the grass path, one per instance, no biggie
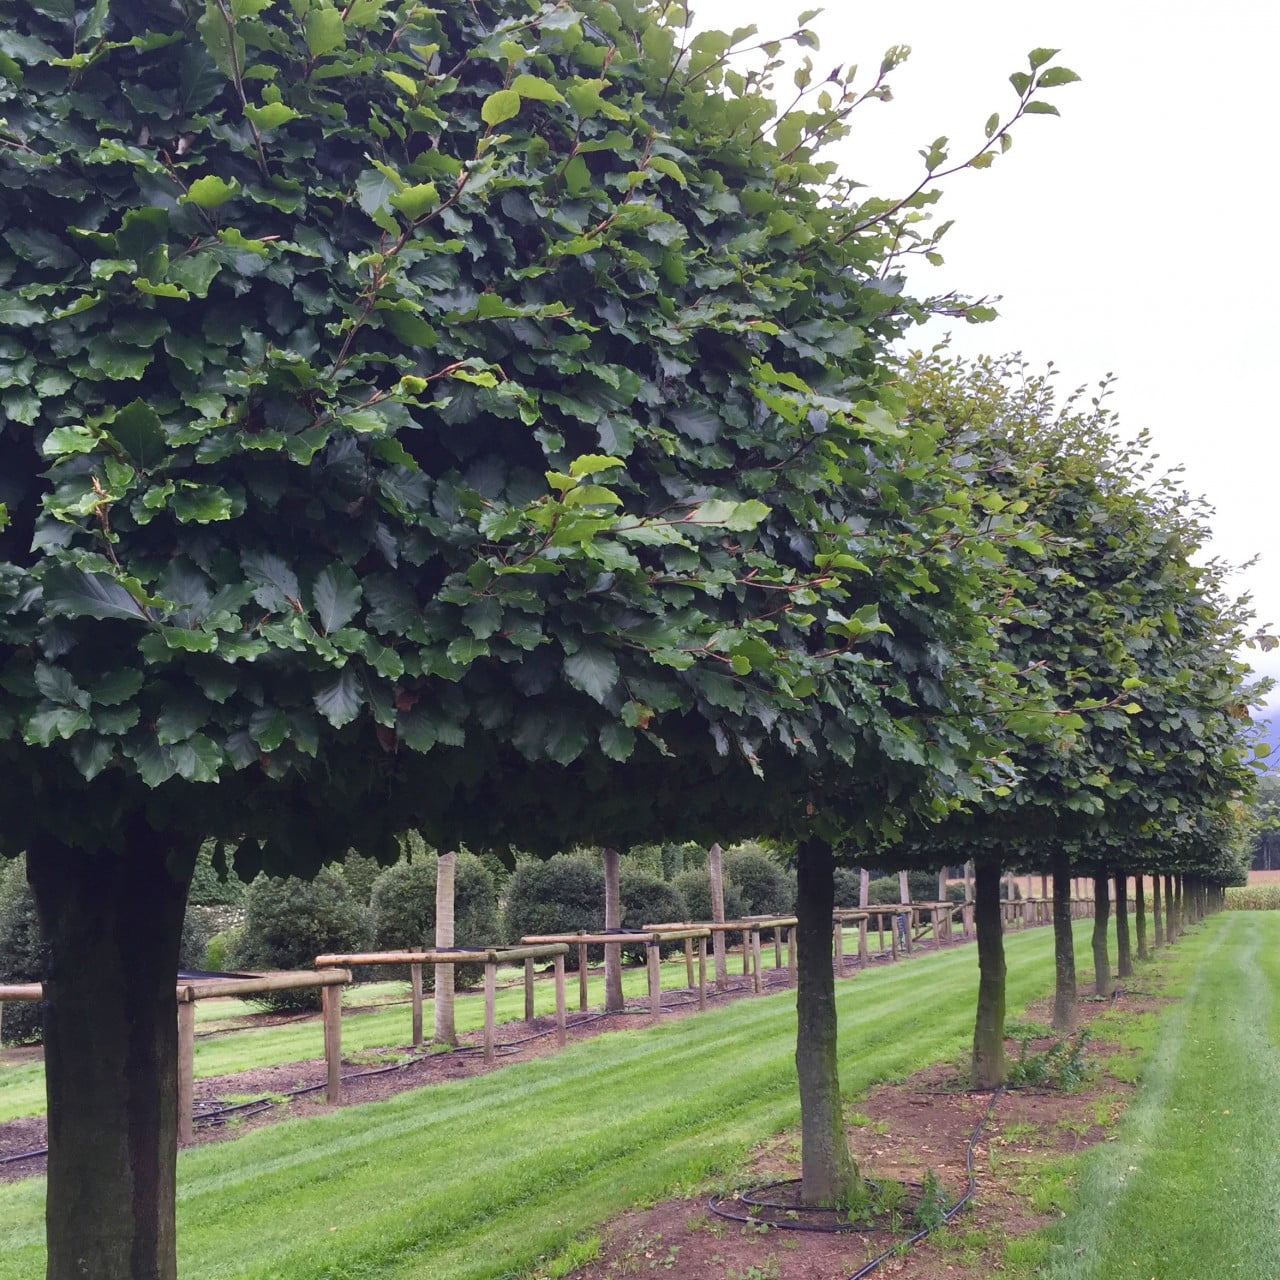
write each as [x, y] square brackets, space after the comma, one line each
[476, 1179]
[1190, 1186]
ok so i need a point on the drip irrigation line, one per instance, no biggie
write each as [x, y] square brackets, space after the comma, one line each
[24, 1155]
[753, 1199]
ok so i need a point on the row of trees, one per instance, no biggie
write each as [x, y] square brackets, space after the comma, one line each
[480, 419]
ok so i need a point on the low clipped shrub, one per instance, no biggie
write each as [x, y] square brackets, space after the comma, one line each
[848, 886]
[288, 922]
[695, 888]
[222, 947]
[211, 887]
[20, 953]
[402, 907]
[648, 900]
[766, 888]
[561, 895]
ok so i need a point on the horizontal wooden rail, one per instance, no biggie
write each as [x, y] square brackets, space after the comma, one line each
[22, 991]
[260, 983]
[452, 955]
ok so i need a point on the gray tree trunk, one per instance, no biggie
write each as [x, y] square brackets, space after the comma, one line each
[446, 1030]
[1124, 954]
[904, 887]
[715, 870]
[988, 1032]
[1140, 918]
[111, 922]
[864, 888]
[613, 1001]
[829, 1175]
[1064, 948]
[1156, 915]
[1101, 919]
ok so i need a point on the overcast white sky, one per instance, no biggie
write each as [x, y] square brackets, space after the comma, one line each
[1134, 235]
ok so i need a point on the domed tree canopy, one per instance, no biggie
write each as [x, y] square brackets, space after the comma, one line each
[427, 417]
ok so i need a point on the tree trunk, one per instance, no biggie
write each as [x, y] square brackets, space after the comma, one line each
[829, 1175]
[1064, 948]
[988, 1030]
[904, 887]
[446, 1030]
[613, 1001]
[715, 870]
[942, 885]
[1156, 915]
[1140, 920]
[968, 881]
[1124, 955]
[111, 924]
[1170, 911]
[864, 888]
[1101, 918]
[1179, 904]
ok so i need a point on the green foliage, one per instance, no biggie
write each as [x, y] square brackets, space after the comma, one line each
[211, 888]
[695, 888]
[1062, 1065]
[766, 888]
[221, 947]
[562, 374]
[403, 911]
[1254, 897]
[20, 952]
[288, 922]
[648, 900]
[360, 873]
[562, 895]
[200, 926]
[848, 886]
[923, 886]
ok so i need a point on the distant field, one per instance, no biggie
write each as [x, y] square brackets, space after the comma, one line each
[1264, 877]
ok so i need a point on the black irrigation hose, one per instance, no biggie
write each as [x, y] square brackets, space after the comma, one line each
[752, 1199]
[24, 1155]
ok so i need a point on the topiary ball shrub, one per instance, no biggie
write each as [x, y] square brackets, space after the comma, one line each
[695, 888]
[288, 922]
[765, 887]
[212, 888]
[561, 895]
[848, 886]
[648, 900]
[21, 956]
[402, 906]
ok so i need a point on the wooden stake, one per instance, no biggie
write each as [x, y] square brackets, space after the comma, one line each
[863, 953]
[415, 986]
[582, 977]
[688, 961]
[757, 985]
[702, 973]
[655, 981]
[777, 946]
[838, 939]
[791, 955]
[528, 990]
[331, 1005]
[561, 1025]
[187, 1070]
[490, 1001]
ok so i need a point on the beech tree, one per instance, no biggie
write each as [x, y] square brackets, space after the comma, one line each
[461, 419]
[1130, 642]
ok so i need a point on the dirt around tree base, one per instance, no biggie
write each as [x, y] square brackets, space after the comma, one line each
[899, 1132]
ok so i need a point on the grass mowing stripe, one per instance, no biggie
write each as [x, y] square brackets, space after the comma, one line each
[1189, 1186]
[406, 1182]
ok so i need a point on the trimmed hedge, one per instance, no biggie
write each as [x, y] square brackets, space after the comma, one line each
[21, 958]
[766, 888]
[288, 922]
[402, 908]
[695, 888]
[648, 900]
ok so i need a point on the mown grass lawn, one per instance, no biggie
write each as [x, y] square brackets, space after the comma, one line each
[22, 1084]
[1190, 1185]
[477, 1179]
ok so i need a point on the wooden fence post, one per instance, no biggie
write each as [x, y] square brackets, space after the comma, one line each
[838, 938]
[582, 977]
[561, 1025]
[688, 961]
[528, 988]
[331, 1005]
[863, 952]
[655, 980]
[415, 985]
[702, 973]
[791, 956]
[757, 983]
[186, 1070]
[490, 1001]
